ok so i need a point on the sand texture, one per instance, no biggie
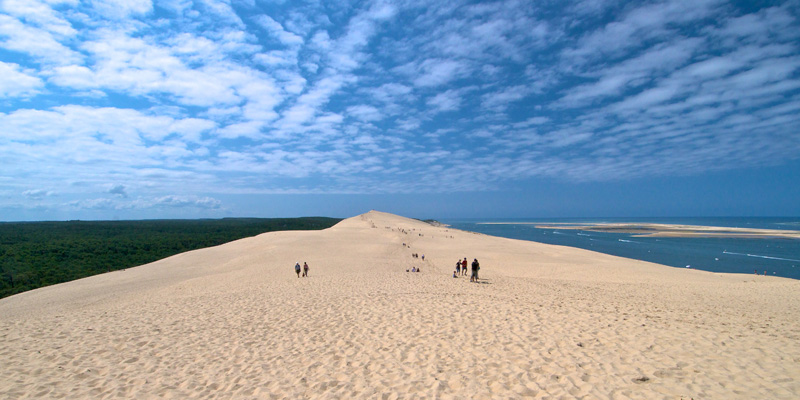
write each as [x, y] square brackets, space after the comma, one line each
[234, 321]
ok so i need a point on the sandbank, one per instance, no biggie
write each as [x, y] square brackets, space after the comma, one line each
[665, 230]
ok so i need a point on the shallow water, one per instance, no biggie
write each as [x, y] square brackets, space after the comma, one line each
[778, 257]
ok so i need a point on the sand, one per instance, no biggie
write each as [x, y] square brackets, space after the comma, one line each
[673, 230]
[234, 321]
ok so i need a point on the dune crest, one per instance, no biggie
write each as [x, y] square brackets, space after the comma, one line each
[234, 321]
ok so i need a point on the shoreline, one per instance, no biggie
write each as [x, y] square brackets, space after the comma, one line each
[663, 230]
[703, 247]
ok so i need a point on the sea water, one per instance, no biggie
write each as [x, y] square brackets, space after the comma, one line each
[778, 257]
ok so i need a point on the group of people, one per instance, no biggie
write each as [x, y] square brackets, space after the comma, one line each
[305, 269]
[416, 255]
[461, 269]
[765, 272]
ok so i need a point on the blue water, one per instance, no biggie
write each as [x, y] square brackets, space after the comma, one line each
[779, 257]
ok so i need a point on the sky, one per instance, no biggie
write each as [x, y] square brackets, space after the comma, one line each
[141, 109]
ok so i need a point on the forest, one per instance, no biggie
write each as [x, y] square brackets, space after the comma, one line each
[37, 254]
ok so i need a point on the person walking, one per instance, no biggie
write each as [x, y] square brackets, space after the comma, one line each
[464, 266]
[305, 269]
[297, 268]
[475, 267]
[458, 268]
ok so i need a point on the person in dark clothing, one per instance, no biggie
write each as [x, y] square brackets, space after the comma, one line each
[475, 267]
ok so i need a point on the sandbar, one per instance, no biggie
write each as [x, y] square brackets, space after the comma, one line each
[665, 230]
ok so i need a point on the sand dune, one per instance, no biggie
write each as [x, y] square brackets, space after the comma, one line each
[234, 321]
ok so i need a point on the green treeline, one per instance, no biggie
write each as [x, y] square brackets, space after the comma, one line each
[36, 254]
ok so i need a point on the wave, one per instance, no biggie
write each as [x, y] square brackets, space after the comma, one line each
[628, 241]
[583, 234]
[760, 256]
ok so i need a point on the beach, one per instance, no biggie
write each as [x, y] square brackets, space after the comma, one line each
[544, 321]
[673, 230]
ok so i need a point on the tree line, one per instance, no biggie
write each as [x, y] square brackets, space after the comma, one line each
[37, 254]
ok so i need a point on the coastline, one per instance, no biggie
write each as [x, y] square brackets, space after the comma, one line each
[663, 230]
[235, 321]
[773, 250]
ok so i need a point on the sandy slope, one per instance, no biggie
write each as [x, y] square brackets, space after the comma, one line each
[234, 321]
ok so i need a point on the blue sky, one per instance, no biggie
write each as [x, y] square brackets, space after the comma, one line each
[129, 109]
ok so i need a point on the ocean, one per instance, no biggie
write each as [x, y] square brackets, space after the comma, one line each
[778, 257]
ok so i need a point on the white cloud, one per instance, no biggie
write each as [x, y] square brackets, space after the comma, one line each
[309, 104]
[501, 99]
[646, 99]
[650, 21]
[176, 6]
[119, 9]
[761, 27]
[277, 58]
[391, 93]
[141, 68]
[436, 72]
[74, 76]
[42, 14]
[16, 82]
[186, 201]
[449, 100]
[119, 127]
[480, 33]
[221, 10]
[409, 124]
[532, 121]
[38, 43]
[276, 30]
[346, 52]
[365, 113]
[250, 129]
[138, 67]
[37, 194]
[187, 98]
[637, 71]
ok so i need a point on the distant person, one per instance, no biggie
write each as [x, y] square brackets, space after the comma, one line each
[297, 268]
[305, 269]
[464, 266]
[454, 272]
[423, 257]
[413, 269]
[419, 269]
[458, 267]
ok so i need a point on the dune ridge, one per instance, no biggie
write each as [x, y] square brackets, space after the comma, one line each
[234, 321]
